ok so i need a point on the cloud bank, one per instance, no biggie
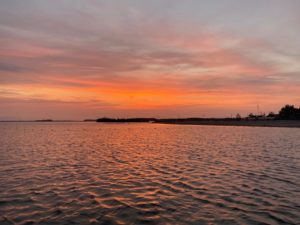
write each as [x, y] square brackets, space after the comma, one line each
[147, 58]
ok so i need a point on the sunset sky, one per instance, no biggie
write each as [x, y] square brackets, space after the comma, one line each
[71, 59]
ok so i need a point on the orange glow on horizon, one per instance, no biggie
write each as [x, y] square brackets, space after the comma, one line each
[185, 64]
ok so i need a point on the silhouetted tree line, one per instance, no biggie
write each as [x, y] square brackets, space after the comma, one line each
[289, 112]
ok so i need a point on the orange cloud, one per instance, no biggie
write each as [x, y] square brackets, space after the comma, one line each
[161, 71]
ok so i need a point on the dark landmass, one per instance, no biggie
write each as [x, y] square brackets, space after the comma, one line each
[232, 122]
[288, 116]
[46, 120]
[210, 121]
[125, 120]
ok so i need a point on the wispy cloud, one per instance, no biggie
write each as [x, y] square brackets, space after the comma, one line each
[138, 55]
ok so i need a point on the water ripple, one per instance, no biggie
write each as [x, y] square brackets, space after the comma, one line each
[85, 173]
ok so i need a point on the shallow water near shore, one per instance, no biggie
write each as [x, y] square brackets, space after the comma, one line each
[93, 173]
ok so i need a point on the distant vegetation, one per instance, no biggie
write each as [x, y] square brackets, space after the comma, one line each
[288, 112]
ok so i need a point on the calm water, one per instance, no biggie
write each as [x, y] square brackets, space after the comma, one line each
[88, 173]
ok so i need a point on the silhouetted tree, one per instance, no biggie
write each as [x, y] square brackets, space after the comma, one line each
[289, 112]
[271, 114]
[252, 116]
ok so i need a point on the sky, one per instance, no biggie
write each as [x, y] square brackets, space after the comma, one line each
[78, 59]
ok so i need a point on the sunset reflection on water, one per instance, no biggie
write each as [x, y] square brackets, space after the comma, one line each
[89, 173]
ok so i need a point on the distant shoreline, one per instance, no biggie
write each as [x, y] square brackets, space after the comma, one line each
[248, 123]
[40, 121]
[199, 121]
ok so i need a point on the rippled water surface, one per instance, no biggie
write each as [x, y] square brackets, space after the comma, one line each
[89, 173]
